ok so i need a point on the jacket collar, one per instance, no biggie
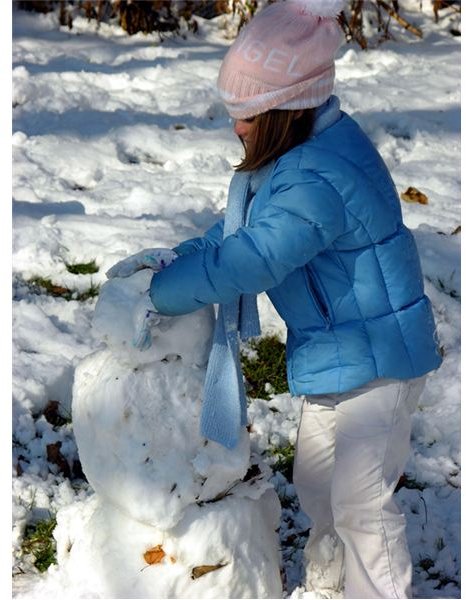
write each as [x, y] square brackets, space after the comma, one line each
[327, 114]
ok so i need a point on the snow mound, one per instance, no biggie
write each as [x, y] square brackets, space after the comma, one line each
[207, 555]
[137, 430]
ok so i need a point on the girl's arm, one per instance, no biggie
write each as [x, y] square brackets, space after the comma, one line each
[300, 220]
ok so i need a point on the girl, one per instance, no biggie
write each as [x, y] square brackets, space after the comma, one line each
[314, 220]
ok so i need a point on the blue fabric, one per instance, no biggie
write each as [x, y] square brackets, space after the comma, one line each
[326, 241]
[326, 115]
[224, 408]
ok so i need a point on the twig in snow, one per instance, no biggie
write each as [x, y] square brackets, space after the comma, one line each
[399, 18]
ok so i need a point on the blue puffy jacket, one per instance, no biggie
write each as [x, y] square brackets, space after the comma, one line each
[326, 241]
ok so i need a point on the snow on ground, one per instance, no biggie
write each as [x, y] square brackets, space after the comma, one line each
[120, 143]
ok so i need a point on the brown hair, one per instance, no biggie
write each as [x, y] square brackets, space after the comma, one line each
[274, 133]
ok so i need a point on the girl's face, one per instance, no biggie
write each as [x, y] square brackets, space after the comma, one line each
[243, 128]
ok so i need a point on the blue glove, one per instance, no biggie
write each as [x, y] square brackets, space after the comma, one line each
[152, 258]
[144, 318]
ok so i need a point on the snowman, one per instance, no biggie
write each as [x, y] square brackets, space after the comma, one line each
[173, 514]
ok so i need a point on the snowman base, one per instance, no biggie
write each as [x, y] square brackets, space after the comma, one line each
[224, 549]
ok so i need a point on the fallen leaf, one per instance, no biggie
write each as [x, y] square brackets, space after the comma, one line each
[412, 194]
[203, 569]
[55, 456]
[58, 290]
[52, 414]
[154, 555]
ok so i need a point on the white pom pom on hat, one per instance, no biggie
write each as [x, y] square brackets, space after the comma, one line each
[321, 8]
[284, 58]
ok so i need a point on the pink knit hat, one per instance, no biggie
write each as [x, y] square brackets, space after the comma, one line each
[283, 59]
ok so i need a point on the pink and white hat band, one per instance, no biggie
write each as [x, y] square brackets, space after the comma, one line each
[304, 94]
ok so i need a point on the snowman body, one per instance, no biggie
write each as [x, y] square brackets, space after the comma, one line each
[174, 515]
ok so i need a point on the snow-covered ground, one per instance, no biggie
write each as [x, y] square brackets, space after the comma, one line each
[120, 143]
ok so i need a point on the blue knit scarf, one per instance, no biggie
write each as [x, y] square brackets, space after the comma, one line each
[224, 409]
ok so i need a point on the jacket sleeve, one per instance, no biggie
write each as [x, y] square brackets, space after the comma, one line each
[303, 216]
[212, 237]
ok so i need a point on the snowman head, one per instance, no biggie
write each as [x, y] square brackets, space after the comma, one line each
[186, 337]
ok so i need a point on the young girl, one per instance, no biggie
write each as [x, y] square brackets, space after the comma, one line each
[314, 220]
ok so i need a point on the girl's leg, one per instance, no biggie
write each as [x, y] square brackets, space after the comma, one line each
[312, 477]
[372, 446]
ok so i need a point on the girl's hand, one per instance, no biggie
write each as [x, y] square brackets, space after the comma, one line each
[144, 317]
[150, 258]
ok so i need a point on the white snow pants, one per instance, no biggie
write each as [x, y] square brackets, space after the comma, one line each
[350, 453]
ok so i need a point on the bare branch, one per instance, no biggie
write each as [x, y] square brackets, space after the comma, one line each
[400, 19]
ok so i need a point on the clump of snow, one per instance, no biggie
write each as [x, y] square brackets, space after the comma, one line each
[139, 445]
[189, 336]
[274, 422]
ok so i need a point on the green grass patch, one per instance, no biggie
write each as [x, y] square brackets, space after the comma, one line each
[284, 460]
[82, 268]
[91, 292]
[39, 541]
[268, 367]
[42, 284]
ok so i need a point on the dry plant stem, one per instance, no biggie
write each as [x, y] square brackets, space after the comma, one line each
[400, 19]
[356, 24]
[439, 4]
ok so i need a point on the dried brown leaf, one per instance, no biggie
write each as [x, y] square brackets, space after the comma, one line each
[412, 194]
[55, 456]
[154, 555]
[204, 569]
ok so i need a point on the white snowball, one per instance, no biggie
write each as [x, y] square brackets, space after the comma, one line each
[137, 430]
[18, 138]
[188, 336]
